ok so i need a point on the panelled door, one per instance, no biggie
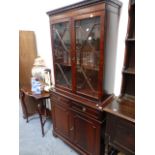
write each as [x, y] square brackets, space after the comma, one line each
[61, 120]
[86, 134]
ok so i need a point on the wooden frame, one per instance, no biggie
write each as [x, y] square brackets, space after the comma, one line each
[78, 117]
[71, 19]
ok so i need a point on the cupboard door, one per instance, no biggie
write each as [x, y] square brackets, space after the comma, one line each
[88, 31]
[121, 133]
[62, 54]
[61, 120]
[86, 135]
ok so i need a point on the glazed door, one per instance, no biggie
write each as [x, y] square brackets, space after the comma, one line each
[62, 55]
[89, 53]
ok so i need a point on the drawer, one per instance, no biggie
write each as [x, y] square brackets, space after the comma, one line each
[85, 110]
[59, 100]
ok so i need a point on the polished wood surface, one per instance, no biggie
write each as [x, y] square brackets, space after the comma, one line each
[77, 13]
[123, 108]
[94, 104]
[27, 54]
[109, 17]
[83, 37]
[28, 92]
[79, 125]
[84, 3]
[41, 105]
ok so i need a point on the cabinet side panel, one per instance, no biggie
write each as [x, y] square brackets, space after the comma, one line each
[111, 25]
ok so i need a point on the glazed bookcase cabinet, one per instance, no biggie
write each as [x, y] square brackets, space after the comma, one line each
[84, 40]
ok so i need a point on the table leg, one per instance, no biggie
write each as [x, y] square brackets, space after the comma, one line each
[40, 116]
[45, 110]
[22, 94]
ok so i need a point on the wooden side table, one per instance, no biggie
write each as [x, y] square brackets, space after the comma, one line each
[41, 106]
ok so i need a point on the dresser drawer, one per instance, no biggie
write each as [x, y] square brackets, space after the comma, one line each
[59, 100]
[75, 106]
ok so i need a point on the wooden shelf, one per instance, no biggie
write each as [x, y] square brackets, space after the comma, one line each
[65, 64]
[90, 67]
[128, 80]
[129, 71]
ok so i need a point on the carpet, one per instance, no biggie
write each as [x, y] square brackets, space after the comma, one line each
[31, 141]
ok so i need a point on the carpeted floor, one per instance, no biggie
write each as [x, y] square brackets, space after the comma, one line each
[31, 141]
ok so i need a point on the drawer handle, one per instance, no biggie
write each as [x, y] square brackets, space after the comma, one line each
[72, 128]
[83, 109]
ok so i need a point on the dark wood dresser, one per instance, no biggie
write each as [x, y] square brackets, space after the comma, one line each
[120, 119]
[120, 126]
[79, 121]
[83, 37]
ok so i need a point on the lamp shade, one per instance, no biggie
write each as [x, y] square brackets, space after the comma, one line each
[38, 68]
[39, 62]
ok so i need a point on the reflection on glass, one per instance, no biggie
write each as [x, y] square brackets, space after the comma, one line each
[61, 47]
[63, 75]
[61, 42]
[87, 52]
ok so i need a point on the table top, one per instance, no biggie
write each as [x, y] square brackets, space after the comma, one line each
[43, 95]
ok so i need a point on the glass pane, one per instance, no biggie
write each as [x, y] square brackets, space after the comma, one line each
[63, 75]
[87, 51]
[61, 47]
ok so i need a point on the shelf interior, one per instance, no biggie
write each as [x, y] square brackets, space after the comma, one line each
[63, 75]
[90, 67]
[130, 57]
[128, 84]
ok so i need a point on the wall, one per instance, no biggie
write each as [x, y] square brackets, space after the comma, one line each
[33, 17]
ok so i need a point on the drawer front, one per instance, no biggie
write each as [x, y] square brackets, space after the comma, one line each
[75, 106]
[59, 100]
